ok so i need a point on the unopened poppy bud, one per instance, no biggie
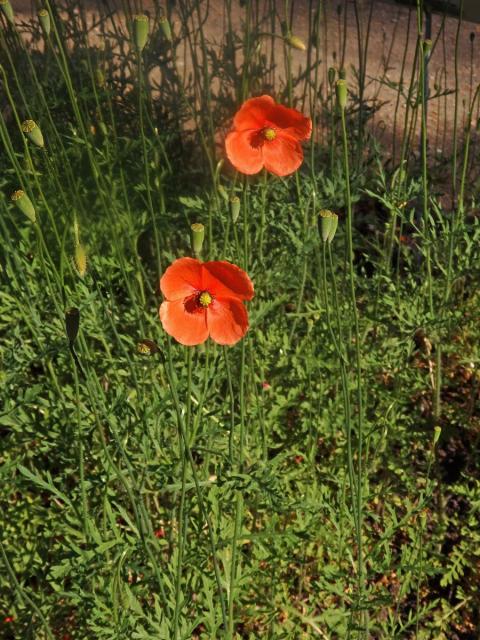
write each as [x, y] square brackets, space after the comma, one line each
[341, 91]
[427, 46]
[7, 10]
[331, 76]
[24, 203]
[223, 192]
[437, 432]
[147, 348]
[81, 259]
[295, 42]
[44, 19]
[33, 132]
[72, 323]
[326, 218]
[342, 74]
[99, 77]
[140, 31]
[198, 234]
[165, 26]
[235, 208]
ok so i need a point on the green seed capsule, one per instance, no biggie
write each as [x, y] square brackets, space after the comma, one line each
[140, 31]
[198, 235]
[333, 228]
[147, 347]
[326, 218]
[44, 19]
[7, 10]
[24, 203]
[33, 132]
[165, 26]
[235, 208]
[72, 323]
[341, 91]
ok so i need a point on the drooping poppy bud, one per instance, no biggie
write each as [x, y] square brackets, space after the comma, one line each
[44, 19]
[341, 91]
[295, 42]
[222, 191]
[235, 207]
[165, 26]
[198, 235]
[437, 432]
[331, 76]
[7, 10]
[72, 323]
[33, 132]
[140, 31]
[24, 203]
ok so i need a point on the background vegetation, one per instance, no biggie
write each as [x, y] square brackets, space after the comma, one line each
[320, 478]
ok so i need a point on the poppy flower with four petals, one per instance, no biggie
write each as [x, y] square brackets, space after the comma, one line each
[267, 134]
[205, 299]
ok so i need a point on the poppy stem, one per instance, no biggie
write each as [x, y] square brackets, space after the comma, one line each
[239, 496]
[170, 375]
[182, 519]
[358, 507]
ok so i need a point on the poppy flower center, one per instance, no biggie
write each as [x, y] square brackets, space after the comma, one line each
[269, 133]
[205, 299]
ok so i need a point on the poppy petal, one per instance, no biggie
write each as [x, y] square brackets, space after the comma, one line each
[253, 113]
[245, 156]
[283, 155]
[227, 320]
[187, 327]
[291, 121]
[223, 278]
[181, 279]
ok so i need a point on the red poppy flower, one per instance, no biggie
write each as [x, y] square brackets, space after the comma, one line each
[267, 134]
[205, 299]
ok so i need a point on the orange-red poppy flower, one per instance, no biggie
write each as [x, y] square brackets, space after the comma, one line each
[267, 134]
[205, 299]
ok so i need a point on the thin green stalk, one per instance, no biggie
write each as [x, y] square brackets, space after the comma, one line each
[169, 373]
[349, 229]
[182, 522]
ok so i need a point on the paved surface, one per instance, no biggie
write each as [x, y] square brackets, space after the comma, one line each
[386, 48]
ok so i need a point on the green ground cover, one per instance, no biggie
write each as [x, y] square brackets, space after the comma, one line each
[320, 478]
